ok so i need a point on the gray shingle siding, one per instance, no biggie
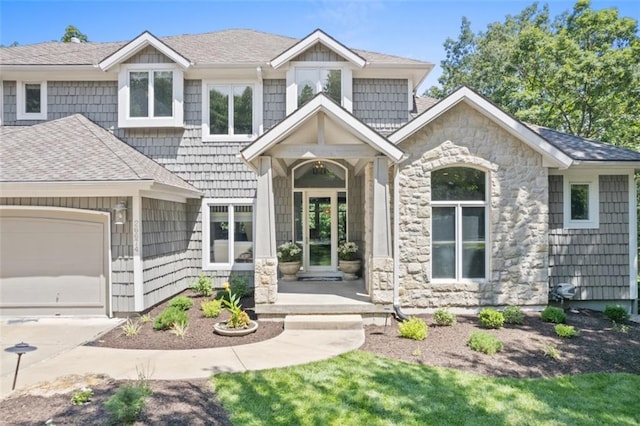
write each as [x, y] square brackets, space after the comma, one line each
[381, 103]
[148, 55]
[319, 53]
[595, 260]
[274, 102]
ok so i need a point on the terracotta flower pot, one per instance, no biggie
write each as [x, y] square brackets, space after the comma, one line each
[289, 270]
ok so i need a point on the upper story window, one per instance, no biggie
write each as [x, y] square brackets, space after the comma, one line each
[581, 201]
[230, 110]
[458, 223]
[31, 100]
[150, 95]
[306, 79]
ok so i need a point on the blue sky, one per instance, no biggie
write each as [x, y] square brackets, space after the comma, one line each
[413, 28]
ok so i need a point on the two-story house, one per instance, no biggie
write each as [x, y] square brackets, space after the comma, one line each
[128, 169]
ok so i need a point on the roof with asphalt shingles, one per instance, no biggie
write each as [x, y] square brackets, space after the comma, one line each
[236, 46]
[75, 149]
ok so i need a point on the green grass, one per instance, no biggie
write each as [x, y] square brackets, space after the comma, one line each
[360, 388]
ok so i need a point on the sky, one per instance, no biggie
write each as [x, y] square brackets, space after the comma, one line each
[410, 28]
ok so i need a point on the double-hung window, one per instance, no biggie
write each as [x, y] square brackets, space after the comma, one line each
[458, 224]
[230, 111]
[228, 234]
[581, 201]
[150, 95]
[31, 100]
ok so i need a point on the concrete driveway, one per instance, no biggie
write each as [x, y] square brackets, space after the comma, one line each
[51, 335]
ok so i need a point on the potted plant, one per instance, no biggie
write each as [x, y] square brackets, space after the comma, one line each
[239, 324]
[348, 261]
[289, 260]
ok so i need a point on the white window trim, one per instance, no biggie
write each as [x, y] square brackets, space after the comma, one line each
[594, 200]
[21, 102]
[347, 82]
[257, 110]
[125, 121]
[207, 265]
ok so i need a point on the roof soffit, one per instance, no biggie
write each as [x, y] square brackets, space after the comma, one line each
[136, 45]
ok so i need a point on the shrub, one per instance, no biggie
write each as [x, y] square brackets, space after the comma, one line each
[145, 318]
[239, 285]
[168, 317]
[202, 286]
[180, 329]
[555, 315]
[444, 317]
[183, 303]
[621, 328]
[127, 403]
[211, 308]
[82, 396]
[414, 328]
[616, 313]
[486, 343]
[490, 318]
[566, 331]
[513, 315]
[551, 352]
[131, 328]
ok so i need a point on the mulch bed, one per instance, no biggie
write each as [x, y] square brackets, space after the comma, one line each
[599, 348]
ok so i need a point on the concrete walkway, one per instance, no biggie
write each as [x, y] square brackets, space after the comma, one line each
[292, 347]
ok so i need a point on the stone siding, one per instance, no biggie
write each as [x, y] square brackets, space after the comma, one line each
[516, 210]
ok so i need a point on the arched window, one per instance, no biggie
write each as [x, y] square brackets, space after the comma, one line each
[458, 223]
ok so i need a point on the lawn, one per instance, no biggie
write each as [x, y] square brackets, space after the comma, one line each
[360, 388]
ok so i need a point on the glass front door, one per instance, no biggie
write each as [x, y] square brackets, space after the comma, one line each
[319, 228]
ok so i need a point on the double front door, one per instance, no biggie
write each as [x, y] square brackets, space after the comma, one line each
[320, 224]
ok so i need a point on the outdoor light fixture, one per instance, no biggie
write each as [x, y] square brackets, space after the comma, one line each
[19, 349]
[120, 213]
[319, 168]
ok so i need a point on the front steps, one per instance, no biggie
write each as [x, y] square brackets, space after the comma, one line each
[323, 322]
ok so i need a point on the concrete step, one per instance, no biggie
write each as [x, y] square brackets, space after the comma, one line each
[323, 322]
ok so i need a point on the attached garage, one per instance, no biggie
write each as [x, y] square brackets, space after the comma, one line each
[53, 261]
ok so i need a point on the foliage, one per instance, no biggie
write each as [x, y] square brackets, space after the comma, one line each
[566, 331]
[306, 94]
[211, 308]
[71, 32]
[621, 328]
[444, 317]
[616, 313]
[359, 388]
[82, 396]
[513, 315]
[490, 318]
[576, 73]
[131, 328]
[553, 314]
[551, 352]
[168, 317]
[183, 303]
[145, 318]
[414, 328]
[239, 284]
[289, 252]
[127, 403]
[239, 318]
[486, 343]
[179, 329]
[347, 251]
[202, 286]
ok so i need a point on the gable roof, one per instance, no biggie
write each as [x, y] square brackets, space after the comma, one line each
[137, 44]
[550, 153]
[318, 36]
[74, 149]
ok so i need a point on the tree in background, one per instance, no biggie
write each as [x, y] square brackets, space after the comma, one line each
[71, 32]
[578, 73]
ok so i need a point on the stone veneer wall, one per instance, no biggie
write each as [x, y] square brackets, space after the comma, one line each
[516, 210]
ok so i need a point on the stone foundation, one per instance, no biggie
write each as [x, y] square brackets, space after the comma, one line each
[266, 280]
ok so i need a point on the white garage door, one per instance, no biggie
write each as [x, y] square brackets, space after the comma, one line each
[53, 262]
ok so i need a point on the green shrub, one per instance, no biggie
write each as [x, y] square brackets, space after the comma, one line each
[239, 285]
[168, 317]
[513, 315]
[183, 303]
[414, 328]
[552, 314]
[203, 286]
[566, 331]
[490, 318]
[82, 396]
[551, 352]
[616, 313]
[444, 317]
[131, 328]
[211, 308]
[486, 343]
[621, 328]
[127, 403]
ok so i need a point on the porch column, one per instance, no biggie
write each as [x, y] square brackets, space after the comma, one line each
[264, 256]
[381, 274]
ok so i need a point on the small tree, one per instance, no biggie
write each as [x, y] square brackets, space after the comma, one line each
[72, 32]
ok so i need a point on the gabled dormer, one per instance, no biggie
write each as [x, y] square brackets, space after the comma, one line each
[150, 82]
[318, 63]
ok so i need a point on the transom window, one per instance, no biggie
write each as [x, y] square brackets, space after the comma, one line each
[311, 81]
[228, 234]
[458, 223]
[31, 100]
[581, 201]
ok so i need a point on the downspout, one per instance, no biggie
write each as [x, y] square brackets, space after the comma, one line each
[400, 316]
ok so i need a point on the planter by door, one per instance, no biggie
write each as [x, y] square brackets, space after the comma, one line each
[289, 270]
[350, 268]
